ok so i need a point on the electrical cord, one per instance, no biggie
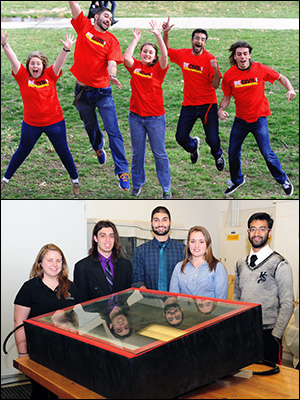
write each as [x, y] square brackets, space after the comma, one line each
[8, 336]
[275, 369]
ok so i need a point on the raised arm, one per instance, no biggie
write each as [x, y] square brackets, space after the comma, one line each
[128, 55]
[10, 54]
[75, 8]
[64, 53]
[291, 94]
[166, 28]
[163, 59]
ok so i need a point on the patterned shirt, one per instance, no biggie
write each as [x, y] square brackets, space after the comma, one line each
[146, 260]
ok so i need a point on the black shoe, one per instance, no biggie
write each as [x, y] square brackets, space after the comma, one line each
[195, 154]
[288, 187]
[232, 188]
[136, 192]
[113, 22]
[220, 163]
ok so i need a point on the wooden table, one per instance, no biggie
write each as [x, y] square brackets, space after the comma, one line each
[284, 385]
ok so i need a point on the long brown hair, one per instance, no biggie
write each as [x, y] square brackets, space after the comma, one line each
[116, 251]
[37, 270]
[209, 257]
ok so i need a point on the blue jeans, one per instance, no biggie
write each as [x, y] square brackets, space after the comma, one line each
[155, 127]
[103, 100]
[239, 132]
[30, 135]
[210, 120]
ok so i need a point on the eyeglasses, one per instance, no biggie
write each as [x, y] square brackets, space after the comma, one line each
[261, 229]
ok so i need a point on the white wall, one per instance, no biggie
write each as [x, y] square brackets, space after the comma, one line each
[25, 227]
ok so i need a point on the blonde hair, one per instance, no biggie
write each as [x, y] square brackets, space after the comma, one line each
[37, 270]
[39, 55]
[209, 257]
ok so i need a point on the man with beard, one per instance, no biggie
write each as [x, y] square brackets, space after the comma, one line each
[201, 77]
[265, 277]
[146, 257]
[97, 54]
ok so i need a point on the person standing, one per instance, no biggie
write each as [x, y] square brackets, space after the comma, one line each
[245, 82]
[201, 77]
[47, 290]
[200, 273]
[147, 113]
[265, 277]
[97, 54]
[104, 271]
[154, 261]
[42, 109]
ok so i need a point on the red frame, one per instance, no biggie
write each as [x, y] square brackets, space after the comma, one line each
[134, 353]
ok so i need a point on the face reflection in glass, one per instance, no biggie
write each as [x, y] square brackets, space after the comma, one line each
[173, 314]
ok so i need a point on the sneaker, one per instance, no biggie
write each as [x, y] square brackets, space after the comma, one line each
[232, 188]
[288, 187]
[195, 154]
[167, 195]
[75, 189]
[220, 163]
[136, 192]
[101, 154]
[124, 181]
[3, 184]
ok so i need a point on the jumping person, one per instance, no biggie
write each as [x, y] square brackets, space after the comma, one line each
[245, 82]
[201, 77]
[96, 56]
[147, 113]
[42, 110]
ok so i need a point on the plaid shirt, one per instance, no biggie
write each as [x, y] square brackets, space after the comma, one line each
[146, 260]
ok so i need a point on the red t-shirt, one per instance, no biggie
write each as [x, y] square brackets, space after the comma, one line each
[198, 75]
[41, 104]
[146, 86]
[248, 90]
[92, 52]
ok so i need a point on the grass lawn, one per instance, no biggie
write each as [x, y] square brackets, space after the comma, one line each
[233, 9]
[42, 175]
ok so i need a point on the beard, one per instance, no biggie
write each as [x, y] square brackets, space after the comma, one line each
[101, 25]
[162, 233]
[260, 243]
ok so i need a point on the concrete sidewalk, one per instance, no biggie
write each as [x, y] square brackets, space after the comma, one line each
[182, 23]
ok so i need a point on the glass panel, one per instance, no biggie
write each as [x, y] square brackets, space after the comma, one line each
[137, 320]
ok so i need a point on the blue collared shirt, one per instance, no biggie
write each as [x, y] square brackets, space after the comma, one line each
[202, 282]
[146, 260]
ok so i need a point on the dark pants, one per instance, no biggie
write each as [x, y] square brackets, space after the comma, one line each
[210, 120]
[272, 348]
[260, 130]
[31, 134]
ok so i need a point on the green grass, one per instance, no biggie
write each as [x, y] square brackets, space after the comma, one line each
[233, 9]
[42, 175]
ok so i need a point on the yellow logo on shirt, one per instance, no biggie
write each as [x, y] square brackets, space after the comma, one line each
[38, 84]
[246, 82]
[94, 39]
[193, 68]
[140, 72]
